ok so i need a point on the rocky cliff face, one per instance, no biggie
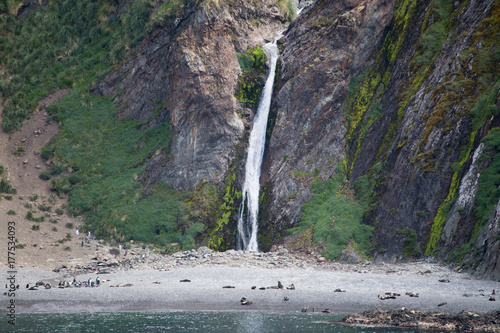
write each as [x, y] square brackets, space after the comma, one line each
[417, 84]
[187, 73]
[322, 49]
[399, 93]
[427, 135]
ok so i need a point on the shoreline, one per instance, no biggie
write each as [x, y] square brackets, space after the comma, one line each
[154, 290]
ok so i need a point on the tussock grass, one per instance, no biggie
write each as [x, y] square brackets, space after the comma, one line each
[335, 218]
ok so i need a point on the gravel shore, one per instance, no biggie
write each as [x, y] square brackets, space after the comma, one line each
[218, 282]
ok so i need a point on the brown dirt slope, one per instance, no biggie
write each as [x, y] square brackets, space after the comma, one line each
[48, 247]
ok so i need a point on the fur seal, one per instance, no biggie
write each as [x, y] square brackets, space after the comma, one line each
[254, 287]
[228, 287]
[185, 280]
[244, 301]
[326, 311]
[285, 299]
[338, 290]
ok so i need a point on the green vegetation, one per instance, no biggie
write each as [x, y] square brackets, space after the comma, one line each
[45, 175]
[435, 34]
[6, 187]
[335, 218]
[217, 237]
[167, 13]
[410, 246]
[44, 208]
[488, 192]
[288, 9]
[251, 82]
[31, 217]
[103, 185]
[11, 212]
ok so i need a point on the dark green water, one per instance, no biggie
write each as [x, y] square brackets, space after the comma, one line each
[219, 322]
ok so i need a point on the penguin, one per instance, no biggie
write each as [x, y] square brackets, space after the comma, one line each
[280, 285]
[92, 284]
[291, 287]
[97, 282]
[305, 309]
[27, 286]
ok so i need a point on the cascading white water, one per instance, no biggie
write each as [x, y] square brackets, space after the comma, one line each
[249, 208]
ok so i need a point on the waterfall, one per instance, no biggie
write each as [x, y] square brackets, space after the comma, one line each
[249, 208]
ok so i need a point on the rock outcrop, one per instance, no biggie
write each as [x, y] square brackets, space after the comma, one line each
[187, 72]
[323, 48]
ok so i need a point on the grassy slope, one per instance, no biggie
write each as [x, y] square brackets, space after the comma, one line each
[73, 44]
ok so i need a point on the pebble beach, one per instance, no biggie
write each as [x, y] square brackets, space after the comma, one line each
[213, 281]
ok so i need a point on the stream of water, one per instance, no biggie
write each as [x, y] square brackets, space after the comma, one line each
[249, 208]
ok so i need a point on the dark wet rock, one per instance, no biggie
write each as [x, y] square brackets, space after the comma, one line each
[464, 321]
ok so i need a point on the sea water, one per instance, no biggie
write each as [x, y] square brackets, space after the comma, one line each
[220, 322]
